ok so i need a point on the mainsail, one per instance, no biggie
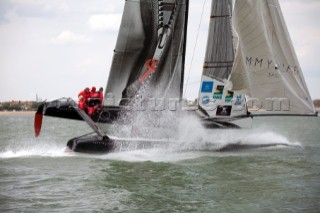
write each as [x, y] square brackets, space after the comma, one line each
[266, 67]
[150, 51]
[249, 50]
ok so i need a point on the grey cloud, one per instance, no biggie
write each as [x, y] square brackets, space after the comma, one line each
[5, 6]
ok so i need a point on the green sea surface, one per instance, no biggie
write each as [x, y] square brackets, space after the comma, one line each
[38, 175]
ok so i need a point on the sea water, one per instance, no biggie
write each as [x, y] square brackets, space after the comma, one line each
[192, 175]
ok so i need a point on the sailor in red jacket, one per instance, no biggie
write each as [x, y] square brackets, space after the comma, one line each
[93, 101]
[93, 92]
[83, 97]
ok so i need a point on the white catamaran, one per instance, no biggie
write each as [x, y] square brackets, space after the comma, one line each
[250, 69]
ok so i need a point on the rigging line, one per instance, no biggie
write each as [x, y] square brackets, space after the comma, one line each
[194, 48]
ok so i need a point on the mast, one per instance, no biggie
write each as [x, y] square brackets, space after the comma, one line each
[184, 47]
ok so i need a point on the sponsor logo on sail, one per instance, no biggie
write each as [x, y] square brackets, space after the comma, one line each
[229, 96]
[238, 100]
[224, 110]
[218, 92]
[207, 87]
[205, 100]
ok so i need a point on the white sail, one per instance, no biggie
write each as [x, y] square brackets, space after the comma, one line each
[266, 67]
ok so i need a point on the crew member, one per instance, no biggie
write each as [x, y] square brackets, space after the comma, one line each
[93, 92]
[83, 97]
[93, 101]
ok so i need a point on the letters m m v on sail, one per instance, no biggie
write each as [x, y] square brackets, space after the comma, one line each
[271, 65]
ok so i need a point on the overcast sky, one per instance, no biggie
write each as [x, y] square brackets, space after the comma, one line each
[56, 48]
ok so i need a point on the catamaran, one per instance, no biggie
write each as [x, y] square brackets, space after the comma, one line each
[250, 69]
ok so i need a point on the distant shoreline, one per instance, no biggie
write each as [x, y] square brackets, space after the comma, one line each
[16, 112]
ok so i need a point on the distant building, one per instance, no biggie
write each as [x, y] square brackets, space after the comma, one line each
[17, 105]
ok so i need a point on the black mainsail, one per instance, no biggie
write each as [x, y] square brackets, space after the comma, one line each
[150, 51]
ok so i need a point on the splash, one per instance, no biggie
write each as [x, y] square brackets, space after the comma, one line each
[194, 137]
[29, 148]
[204, 144]
[192, 141]
[195, 141]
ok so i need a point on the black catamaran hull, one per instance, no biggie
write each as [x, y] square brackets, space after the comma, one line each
[94, 144]
[91, 144]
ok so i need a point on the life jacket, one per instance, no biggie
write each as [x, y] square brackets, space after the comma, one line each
[94, 95]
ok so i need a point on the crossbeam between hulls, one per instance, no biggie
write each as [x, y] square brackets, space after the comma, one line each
[87, 118]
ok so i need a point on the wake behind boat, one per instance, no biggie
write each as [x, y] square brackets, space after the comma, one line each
[250, 69]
